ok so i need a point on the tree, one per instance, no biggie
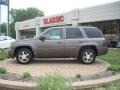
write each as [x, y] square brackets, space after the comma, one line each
[18, 15]
[3, 28]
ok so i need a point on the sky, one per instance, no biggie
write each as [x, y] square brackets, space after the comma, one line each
[51, 7]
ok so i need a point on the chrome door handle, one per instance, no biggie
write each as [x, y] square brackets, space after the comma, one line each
[81, 42]
[59, 42]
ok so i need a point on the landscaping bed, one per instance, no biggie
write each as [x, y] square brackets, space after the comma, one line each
[16, 77]
[113, 58]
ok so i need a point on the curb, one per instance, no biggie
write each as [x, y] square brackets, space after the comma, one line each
[95, 83]
[76, 85]
[107, 64]
[17, 85]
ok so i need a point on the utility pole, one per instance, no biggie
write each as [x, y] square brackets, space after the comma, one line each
[8, 27]
[0, 20]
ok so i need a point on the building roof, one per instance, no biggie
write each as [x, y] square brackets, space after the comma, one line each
[110, 11]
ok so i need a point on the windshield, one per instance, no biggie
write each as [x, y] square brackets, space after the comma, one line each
[1, 39]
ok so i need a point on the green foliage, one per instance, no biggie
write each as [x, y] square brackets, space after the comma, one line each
[3, 28]
[112, 57]
[3, 55]
[78, 76]
[53, 82]
[12, 30]
[101, 88]
[113, 86]
[114, 68]
[2, 70]
[18, 15]
[26, 75]
[24, 14]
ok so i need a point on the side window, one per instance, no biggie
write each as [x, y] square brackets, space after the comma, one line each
[1, 39]
[9, 38]
[72, 33]
[5, 38]
[54, 34]
[93, 33]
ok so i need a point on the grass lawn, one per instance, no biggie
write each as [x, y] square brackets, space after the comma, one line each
[112, 57]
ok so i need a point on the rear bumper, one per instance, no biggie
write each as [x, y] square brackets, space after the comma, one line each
[103, 51]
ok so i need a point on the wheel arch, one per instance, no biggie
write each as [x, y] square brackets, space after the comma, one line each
[20, 47]
[93, 47]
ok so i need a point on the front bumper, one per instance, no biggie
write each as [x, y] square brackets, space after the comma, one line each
[11, 53]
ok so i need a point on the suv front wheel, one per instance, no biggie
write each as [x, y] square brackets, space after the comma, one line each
[87, 56]
[24, 56]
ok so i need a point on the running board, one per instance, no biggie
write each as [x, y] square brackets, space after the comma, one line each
[54, 58]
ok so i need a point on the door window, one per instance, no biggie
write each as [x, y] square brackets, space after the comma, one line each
[72, 33]
[54, 34]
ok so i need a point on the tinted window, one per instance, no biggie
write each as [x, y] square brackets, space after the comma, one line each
[73, 33]
[93, 33]
[54, 34]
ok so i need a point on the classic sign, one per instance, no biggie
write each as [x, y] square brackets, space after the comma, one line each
[4, 2]
[55, 19]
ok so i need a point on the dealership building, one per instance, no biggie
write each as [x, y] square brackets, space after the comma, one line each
[106, 17]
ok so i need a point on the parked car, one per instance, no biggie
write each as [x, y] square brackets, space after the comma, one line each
[83, 43]
[5, 41]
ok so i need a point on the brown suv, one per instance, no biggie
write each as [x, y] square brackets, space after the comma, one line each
[83, 43]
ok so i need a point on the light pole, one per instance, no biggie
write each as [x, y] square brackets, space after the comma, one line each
[8, 27]
[5, 2]
[0, 20]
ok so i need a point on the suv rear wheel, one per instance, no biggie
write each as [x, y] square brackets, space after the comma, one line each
[87, 56]
[24, 56]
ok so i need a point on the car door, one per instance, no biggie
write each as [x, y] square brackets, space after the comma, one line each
[1, 43]
[53, 45]
[72, 42]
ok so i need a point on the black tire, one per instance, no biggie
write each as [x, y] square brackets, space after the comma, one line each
[28, 57]
[92, 54]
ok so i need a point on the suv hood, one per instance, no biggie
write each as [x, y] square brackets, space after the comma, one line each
[26, 40]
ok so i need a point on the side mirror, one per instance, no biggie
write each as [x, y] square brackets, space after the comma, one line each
[42, 38]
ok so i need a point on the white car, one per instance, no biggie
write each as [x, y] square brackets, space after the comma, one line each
[5, 41]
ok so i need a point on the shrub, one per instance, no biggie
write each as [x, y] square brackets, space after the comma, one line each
[53, 82]
[2, 70]
[3, 54]
[26, 75]
[113, 73]
[101, 88]
[78, 76]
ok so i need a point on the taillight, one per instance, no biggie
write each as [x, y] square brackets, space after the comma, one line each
[104, 43]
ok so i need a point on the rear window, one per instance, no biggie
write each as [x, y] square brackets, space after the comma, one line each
[93, 33]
